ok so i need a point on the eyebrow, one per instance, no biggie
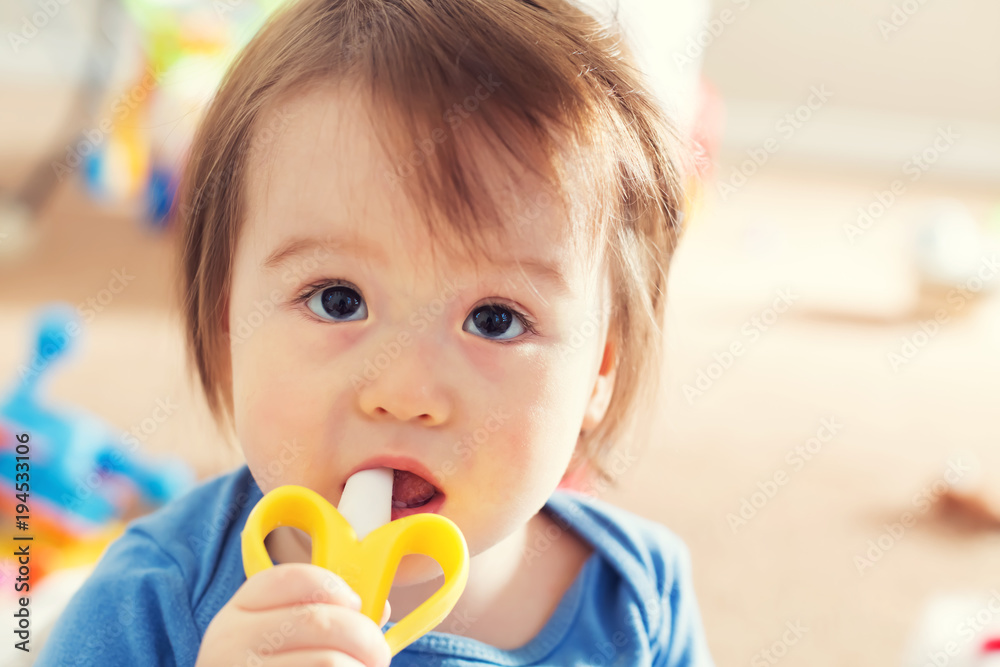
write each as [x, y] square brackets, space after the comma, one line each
[298, 247]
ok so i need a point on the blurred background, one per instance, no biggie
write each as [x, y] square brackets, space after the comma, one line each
[828, 441]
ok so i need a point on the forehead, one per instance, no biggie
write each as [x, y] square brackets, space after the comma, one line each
[320, 168]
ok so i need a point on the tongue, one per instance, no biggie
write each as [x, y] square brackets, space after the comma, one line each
[409, 490]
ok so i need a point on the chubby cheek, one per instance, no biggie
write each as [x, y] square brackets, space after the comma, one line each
[279, 411]
[513, 469]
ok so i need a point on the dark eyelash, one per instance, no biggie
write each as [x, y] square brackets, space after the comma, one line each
[310, 290]
[526, 321]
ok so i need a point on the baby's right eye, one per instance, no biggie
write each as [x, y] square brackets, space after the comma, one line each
[338, 303]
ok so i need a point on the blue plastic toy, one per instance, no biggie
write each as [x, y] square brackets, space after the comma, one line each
[81, 470]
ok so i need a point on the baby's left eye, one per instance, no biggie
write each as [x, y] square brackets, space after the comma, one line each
[494, 321]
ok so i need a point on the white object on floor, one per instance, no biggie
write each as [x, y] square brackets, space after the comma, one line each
[950, 247]
[953, 629]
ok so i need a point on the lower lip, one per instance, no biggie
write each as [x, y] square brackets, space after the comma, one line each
[431, 507]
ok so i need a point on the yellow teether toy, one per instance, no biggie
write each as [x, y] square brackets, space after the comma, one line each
[359, 543]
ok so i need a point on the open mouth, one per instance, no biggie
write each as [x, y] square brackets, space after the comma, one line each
[410, 491]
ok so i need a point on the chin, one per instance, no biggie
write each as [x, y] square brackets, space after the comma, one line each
[416, 569]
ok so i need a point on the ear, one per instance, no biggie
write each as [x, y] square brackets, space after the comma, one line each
[597, 405]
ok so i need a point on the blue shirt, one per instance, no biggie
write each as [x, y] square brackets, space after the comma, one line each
[155, 590]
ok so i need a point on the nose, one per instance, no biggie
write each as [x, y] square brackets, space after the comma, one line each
[407, 389]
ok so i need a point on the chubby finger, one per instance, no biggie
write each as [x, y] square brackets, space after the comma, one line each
[294, 583]
[311, 657]
[319, 626]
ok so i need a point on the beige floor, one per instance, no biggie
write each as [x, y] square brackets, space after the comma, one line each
[826, 358]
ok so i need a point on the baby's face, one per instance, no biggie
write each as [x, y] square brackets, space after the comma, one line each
[349, 345]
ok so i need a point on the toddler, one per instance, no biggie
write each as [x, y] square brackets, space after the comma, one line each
[429, 235]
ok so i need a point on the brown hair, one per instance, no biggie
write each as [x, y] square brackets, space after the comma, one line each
[567, 104]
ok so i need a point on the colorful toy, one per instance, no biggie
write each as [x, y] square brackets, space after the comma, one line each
[360, 544]
[80, 477]
[187, 46]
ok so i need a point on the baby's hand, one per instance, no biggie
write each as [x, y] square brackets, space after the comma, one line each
[294, 614]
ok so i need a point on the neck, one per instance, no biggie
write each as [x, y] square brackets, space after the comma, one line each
[494, 591]
[491, 573]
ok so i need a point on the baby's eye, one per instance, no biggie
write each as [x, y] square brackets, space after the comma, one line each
[338, 303]
[493, 321]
